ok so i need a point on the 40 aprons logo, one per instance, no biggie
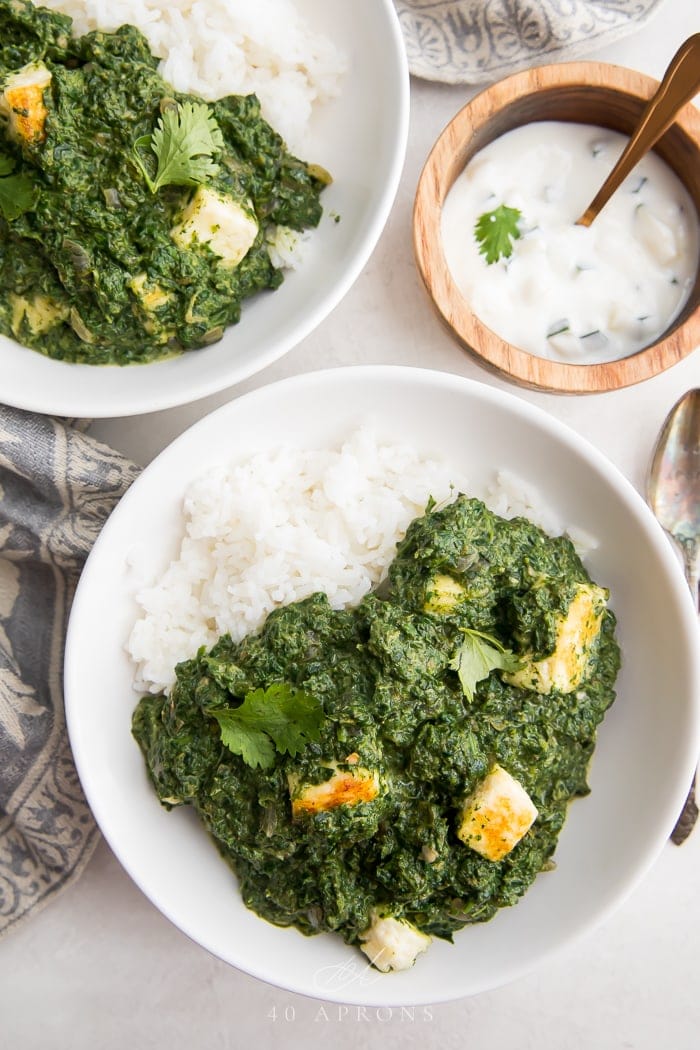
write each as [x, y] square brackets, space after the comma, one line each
[346, 974]
[340, 976]
[339, 1013]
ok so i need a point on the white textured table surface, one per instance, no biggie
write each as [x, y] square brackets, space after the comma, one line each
[100, 968]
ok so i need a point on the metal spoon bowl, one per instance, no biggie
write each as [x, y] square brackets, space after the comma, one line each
[673, 482]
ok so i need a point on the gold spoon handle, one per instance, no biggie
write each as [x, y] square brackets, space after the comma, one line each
[680, 83]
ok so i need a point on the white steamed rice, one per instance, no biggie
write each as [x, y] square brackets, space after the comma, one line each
[274, 529]
[213, 48]
[280, 526]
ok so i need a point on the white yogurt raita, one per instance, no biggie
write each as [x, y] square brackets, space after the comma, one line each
[569, 292]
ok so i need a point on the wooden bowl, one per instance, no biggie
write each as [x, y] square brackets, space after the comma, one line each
[582, 92]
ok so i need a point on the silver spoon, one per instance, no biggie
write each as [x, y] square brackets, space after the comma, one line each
[673, 493]
[673, 483]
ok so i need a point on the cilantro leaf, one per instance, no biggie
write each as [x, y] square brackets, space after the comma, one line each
[279, 718]
[253, 745]
[184, 141]
[17, 192]
[479, 655]
[496, 230]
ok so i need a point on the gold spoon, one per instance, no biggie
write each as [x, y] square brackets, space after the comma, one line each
[673, 493]
[681, 82]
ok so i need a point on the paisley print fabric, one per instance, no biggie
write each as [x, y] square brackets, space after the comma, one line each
[57, 488]
[476, 41]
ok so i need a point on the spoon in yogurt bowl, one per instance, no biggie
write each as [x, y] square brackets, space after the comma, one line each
[673, 493]
[680, 83]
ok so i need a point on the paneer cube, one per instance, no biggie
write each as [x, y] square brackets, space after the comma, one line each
[443, 594]
[566, 667]
[22, 102]
[40, 313]
[393, 944]
[496, 815]
[343, 788]
[149, 293]
[228, 227]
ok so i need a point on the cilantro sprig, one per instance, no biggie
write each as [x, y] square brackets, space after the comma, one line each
[280, 718]
[496, 230]
[184, 141]
[479, 655]
[17, 192]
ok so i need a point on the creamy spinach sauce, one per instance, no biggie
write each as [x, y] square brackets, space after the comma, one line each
[91, 271]
[394, 705]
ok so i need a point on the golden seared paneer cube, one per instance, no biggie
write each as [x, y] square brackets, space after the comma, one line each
[22, 102]
[226, 226]
[346, 787]
[393, 944]
[443, 594]
[497, 814]
[576, 633]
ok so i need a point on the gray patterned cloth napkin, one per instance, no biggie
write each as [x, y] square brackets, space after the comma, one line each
[57, 488]
[476, 41]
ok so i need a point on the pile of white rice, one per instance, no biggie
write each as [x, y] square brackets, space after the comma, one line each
[274, 529]
[285, 524]
[213, 48]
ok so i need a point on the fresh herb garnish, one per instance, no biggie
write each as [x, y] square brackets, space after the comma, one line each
[279, 718]
[479, 655]
[17, 192]
[496, 230]
[184, 141]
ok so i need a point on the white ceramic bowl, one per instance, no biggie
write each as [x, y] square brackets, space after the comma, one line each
[648, 742]
[360, 137]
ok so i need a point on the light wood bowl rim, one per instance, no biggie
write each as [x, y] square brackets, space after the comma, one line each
[439, 173]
